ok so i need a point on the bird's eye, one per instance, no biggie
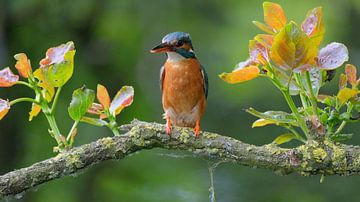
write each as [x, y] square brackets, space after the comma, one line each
[180, 43]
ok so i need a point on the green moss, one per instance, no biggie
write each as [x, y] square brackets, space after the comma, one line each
[319, 154]
[74, 161]
[338, 156]
[210, 135]
[184, 136]
[107, 142]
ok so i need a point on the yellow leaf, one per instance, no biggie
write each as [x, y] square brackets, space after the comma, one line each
[258, 52]
[35, 110]
[103, 96]
[48, 90]
[345, 94]
[23, 65]
[284, 138]
[263, 27]
[240, 75]
[274, 15]
[293, 49]
[313, 25]
[262, 122]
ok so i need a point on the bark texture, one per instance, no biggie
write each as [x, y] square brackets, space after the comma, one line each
[310, 159]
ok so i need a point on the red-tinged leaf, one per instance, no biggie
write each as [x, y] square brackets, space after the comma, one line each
[23, 65]
[103, 96]
[4, 108]
[350, 71]
[56, 55]
[332, 56]
[123, 98]
[241, 74]
[7, 78]
[292, 49]
[274, 15]
[263, 27]
[245, 63]
[342, 81]
[35, 110]
[345, 94]
[313, 25]
[265, 40]
[258, 52]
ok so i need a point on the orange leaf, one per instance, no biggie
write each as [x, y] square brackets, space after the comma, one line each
[342, 81]
[258, 53]
[4, 108]
[350, 71]
[103, 96]
[23, 65]
[274, 15]
[7, 78]
[292, 48]
[265, 40]
[241, 74]
[313, 25]
[35, 110]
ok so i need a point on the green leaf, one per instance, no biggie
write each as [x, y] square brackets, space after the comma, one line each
[341, 137]
[58, 66]
[94, 121]
[123, 98]
[81, 101]
[284, 138]
[275, 116]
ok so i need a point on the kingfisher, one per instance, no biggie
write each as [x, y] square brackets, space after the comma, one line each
[183, 82]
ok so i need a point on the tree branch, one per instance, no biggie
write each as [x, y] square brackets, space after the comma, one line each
[310, 159]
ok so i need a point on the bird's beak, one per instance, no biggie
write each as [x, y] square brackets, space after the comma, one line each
[163, 47]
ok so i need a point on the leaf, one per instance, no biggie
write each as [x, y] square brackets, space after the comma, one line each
[103, 96]
[313, 25]
[332, 56]
[326, 99]
[35, 110]
[345, 94]
[350, 71]
[275, 116]
[7, 78]
[265, 40]
[342, 81]
[123, 98]
[95, 109]
[81, 101]
[292, 49]
[263, 27]
[262, 122]
[58, 66]
[4, 108]
[341, 137]
[48, 90]
[93, 121]
[284, 138]
[241, 74]
[316, 80]
[23, 65]
[258, 52]
[274, 15]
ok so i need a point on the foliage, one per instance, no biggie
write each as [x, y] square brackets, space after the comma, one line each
[289, 55]
[47, 81]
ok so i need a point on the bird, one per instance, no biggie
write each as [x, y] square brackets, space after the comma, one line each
[183, 82]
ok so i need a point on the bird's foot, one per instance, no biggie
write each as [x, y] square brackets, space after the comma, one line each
[197, 129]
[168, 126]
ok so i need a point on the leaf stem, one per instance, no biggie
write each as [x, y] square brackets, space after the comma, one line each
[23, 99]
[69, 138]
[312, 97]
[25, 84]
[56, 98]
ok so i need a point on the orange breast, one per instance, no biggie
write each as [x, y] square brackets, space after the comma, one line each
[183, 88]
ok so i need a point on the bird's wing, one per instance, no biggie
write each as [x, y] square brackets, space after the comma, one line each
[205, 80]
[162, 76]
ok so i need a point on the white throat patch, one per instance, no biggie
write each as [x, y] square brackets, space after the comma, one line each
[174, 57]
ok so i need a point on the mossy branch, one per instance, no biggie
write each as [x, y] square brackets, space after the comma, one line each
[310, 159]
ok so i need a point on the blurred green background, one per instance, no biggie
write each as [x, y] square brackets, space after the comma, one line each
[113, 39]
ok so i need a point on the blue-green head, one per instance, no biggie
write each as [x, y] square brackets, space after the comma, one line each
[179, 42]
